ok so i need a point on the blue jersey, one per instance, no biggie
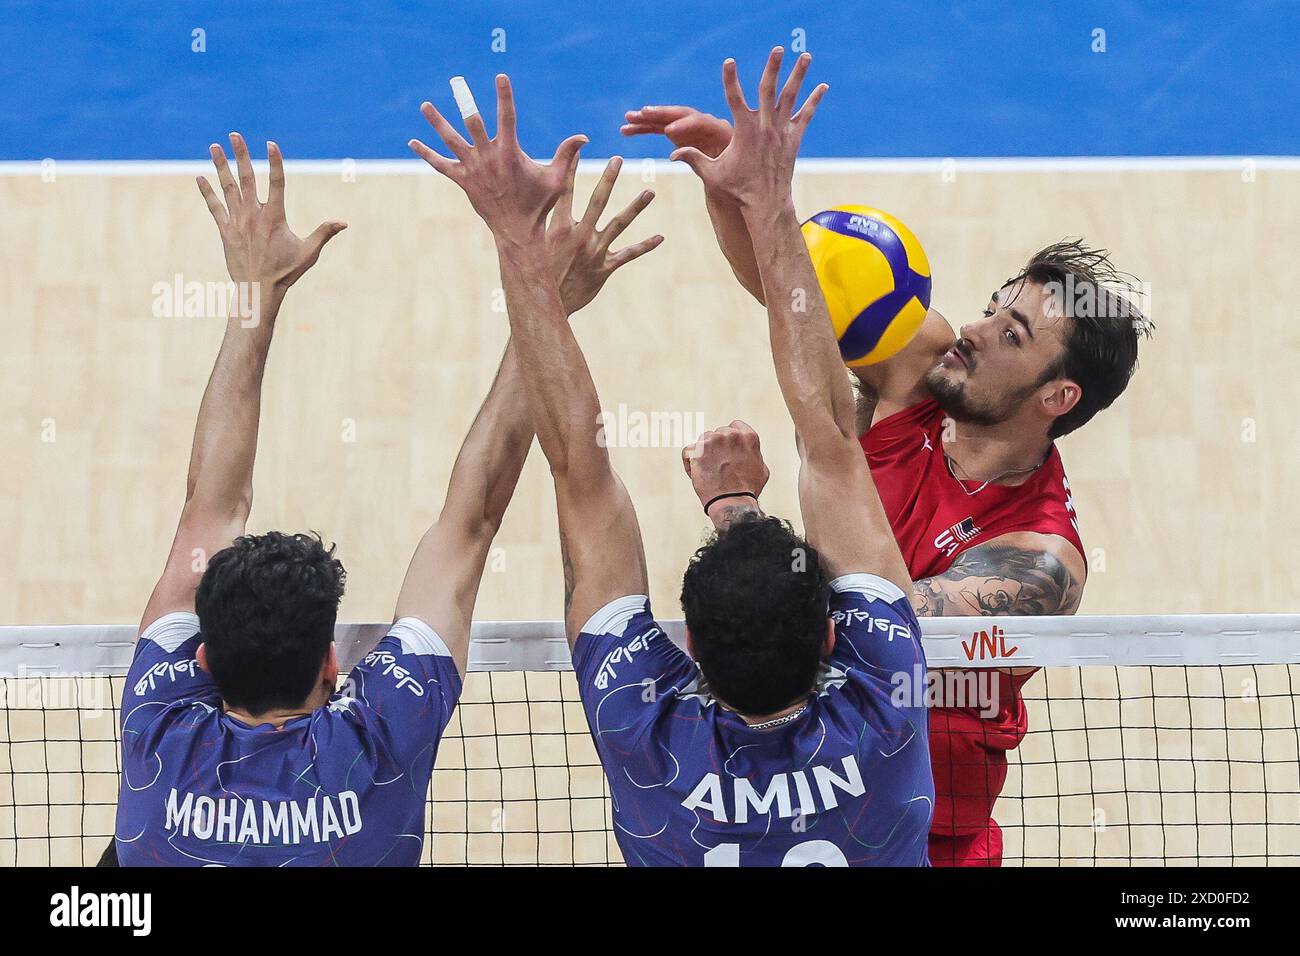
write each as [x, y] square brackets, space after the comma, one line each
[847, 783]
[343, 786]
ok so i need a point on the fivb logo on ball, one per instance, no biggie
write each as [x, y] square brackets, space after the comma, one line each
[862, 225]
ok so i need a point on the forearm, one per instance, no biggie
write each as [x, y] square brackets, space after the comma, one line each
[220, 478]
[443, 579]
[733, 239]
[600, 542]
[492, 456]
[809, 368]
[843, 516]
[558, 386]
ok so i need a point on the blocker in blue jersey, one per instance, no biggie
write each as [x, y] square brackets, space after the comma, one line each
[342, 785]
[844, 782]
[787, 732]
[237, 746]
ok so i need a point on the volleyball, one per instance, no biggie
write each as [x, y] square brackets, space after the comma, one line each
[875, 277]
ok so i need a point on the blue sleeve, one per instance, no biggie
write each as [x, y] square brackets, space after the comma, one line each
[165, 671]
[404, 691]
[626, 667]
[875, 627]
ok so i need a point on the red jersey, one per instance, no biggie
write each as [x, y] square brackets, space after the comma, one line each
[934, 519]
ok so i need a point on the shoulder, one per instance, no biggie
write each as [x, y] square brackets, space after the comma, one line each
[886, 431]
[1052, 481]
[629, 670]
[410, 672]
[875, 625]
[621, 629]
[1043, 547]
[165, 672]
[622, 644]
[170, 631]
[857, 586]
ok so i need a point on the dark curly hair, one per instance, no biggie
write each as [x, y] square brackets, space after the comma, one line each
[756, 602]
[267, 606]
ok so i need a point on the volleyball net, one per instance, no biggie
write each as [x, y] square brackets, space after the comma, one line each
[1153, 740]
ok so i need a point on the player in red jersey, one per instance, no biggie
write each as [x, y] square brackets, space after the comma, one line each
[959, 431]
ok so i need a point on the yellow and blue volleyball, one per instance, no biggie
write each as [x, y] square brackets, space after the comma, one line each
[875, 277]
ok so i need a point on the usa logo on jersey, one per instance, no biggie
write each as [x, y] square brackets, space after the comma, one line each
[951, 539]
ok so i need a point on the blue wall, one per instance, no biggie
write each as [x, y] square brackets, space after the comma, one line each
[1012, 78]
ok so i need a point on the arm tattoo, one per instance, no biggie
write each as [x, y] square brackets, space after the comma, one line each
[731, 513]
[998, 579]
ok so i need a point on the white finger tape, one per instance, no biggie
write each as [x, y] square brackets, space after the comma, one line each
[464, 98]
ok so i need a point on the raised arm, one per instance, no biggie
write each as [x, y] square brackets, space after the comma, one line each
[842, 513]
[600, 540]
[264, 259]
[442, 582]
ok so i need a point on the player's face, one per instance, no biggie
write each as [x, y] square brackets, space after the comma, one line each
[1000, 359]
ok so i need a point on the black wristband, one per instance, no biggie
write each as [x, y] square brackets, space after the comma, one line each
[730, 494]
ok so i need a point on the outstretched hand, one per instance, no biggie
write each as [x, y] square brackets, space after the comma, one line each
[259, 245]
[758, 164]
[682, 125]
[579, 251]
[509, 191]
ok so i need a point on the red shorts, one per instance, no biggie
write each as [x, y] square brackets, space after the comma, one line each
[982, 848]
[968, 752]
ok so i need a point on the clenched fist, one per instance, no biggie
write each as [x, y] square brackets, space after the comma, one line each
[726, 462]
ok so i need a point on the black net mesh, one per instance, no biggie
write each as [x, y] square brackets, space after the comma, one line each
[1121, 765]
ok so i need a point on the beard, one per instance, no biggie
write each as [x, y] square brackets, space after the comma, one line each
[959, 406]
